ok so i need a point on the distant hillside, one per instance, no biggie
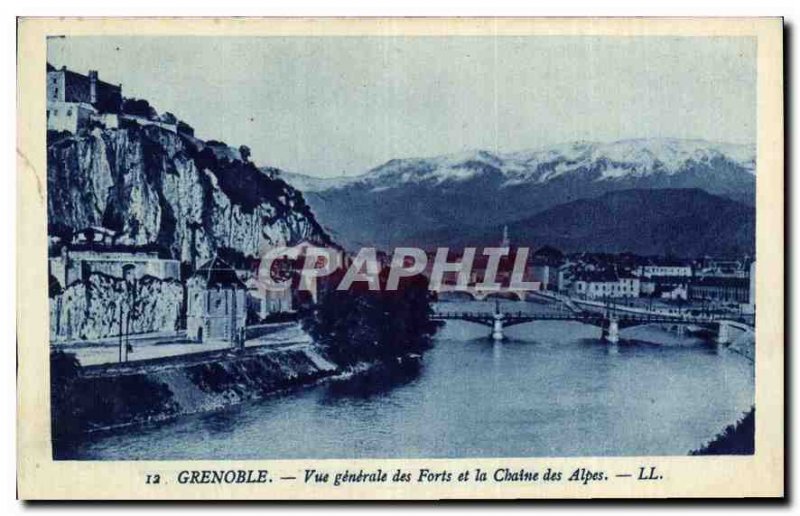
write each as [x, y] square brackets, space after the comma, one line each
[402, 197]
[306, 183]
[679, 222]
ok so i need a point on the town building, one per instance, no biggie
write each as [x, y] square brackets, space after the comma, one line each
[565, 275]
[540, 267]
[263, 302]
[677, 292]
[216, 303]
[665, 287]
[545, 274]
[605, 284]
[545, 265]
[665, 268]
[76, 262]
[722, 290]
[480, 266]
[723, 268]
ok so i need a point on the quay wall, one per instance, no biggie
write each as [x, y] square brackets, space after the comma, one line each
[109, 396]
[103, 306]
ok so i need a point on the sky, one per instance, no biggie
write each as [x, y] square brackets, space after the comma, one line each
[338, 106]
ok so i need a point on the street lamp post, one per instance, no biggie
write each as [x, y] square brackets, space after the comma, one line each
[120, 331]
[124, 331]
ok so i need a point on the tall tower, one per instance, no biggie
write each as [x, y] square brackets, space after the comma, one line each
[505, 242]
[93, 87]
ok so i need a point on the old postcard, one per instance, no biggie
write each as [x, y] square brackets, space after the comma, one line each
[400, 258]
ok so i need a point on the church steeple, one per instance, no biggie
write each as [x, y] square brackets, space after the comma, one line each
[505, 242]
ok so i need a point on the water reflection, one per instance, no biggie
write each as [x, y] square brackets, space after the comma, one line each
[497, 354]
[375, 382]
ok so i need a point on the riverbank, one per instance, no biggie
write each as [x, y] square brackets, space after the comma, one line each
[104, 398]
[736, 439]
[98, 398]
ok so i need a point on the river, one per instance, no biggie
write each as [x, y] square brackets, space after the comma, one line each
[550, 389]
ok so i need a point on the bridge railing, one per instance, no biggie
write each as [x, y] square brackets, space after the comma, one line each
[588, 316]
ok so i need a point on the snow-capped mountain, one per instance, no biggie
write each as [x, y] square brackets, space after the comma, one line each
[626, 158]
[393, 202]
[616, 160]
[306, 183]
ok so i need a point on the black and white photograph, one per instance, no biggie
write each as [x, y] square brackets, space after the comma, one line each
[406, 246]
[634, 332]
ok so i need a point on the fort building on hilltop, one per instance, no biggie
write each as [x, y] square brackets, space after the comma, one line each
[74, 99]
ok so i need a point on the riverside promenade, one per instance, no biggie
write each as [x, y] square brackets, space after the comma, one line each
[156, 346]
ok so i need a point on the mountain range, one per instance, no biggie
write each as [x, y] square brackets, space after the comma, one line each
[467, 196]
[665, 222]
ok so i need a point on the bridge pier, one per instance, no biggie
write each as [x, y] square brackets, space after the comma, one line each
[497, 327]
[608, 322]
[611, 331]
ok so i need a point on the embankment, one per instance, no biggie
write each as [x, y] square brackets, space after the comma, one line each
[743, 343]
[104, 397]
[739, 437]
[736, 439]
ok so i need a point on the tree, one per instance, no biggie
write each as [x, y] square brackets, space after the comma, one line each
[549, 254]
[54, 287]
[362, 325]
[185, 128]
[139, 107]
[168, 118]
[244, 152]
[64, 370]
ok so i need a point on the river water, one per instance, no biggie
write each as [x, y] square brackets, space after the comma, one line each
[550, 389]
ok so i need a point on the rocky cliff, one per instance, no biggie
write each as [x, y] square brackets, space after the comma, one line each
[152, 186]
[92, 309]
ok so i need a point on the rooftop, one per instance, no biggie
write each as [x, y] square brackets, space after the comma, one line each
[714, 281]
[606, 276]
[666, 262]
[217, 273]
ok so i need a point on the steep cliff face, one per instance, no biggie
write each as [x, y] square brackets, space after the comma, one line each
[152, 186]
[92, 309]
